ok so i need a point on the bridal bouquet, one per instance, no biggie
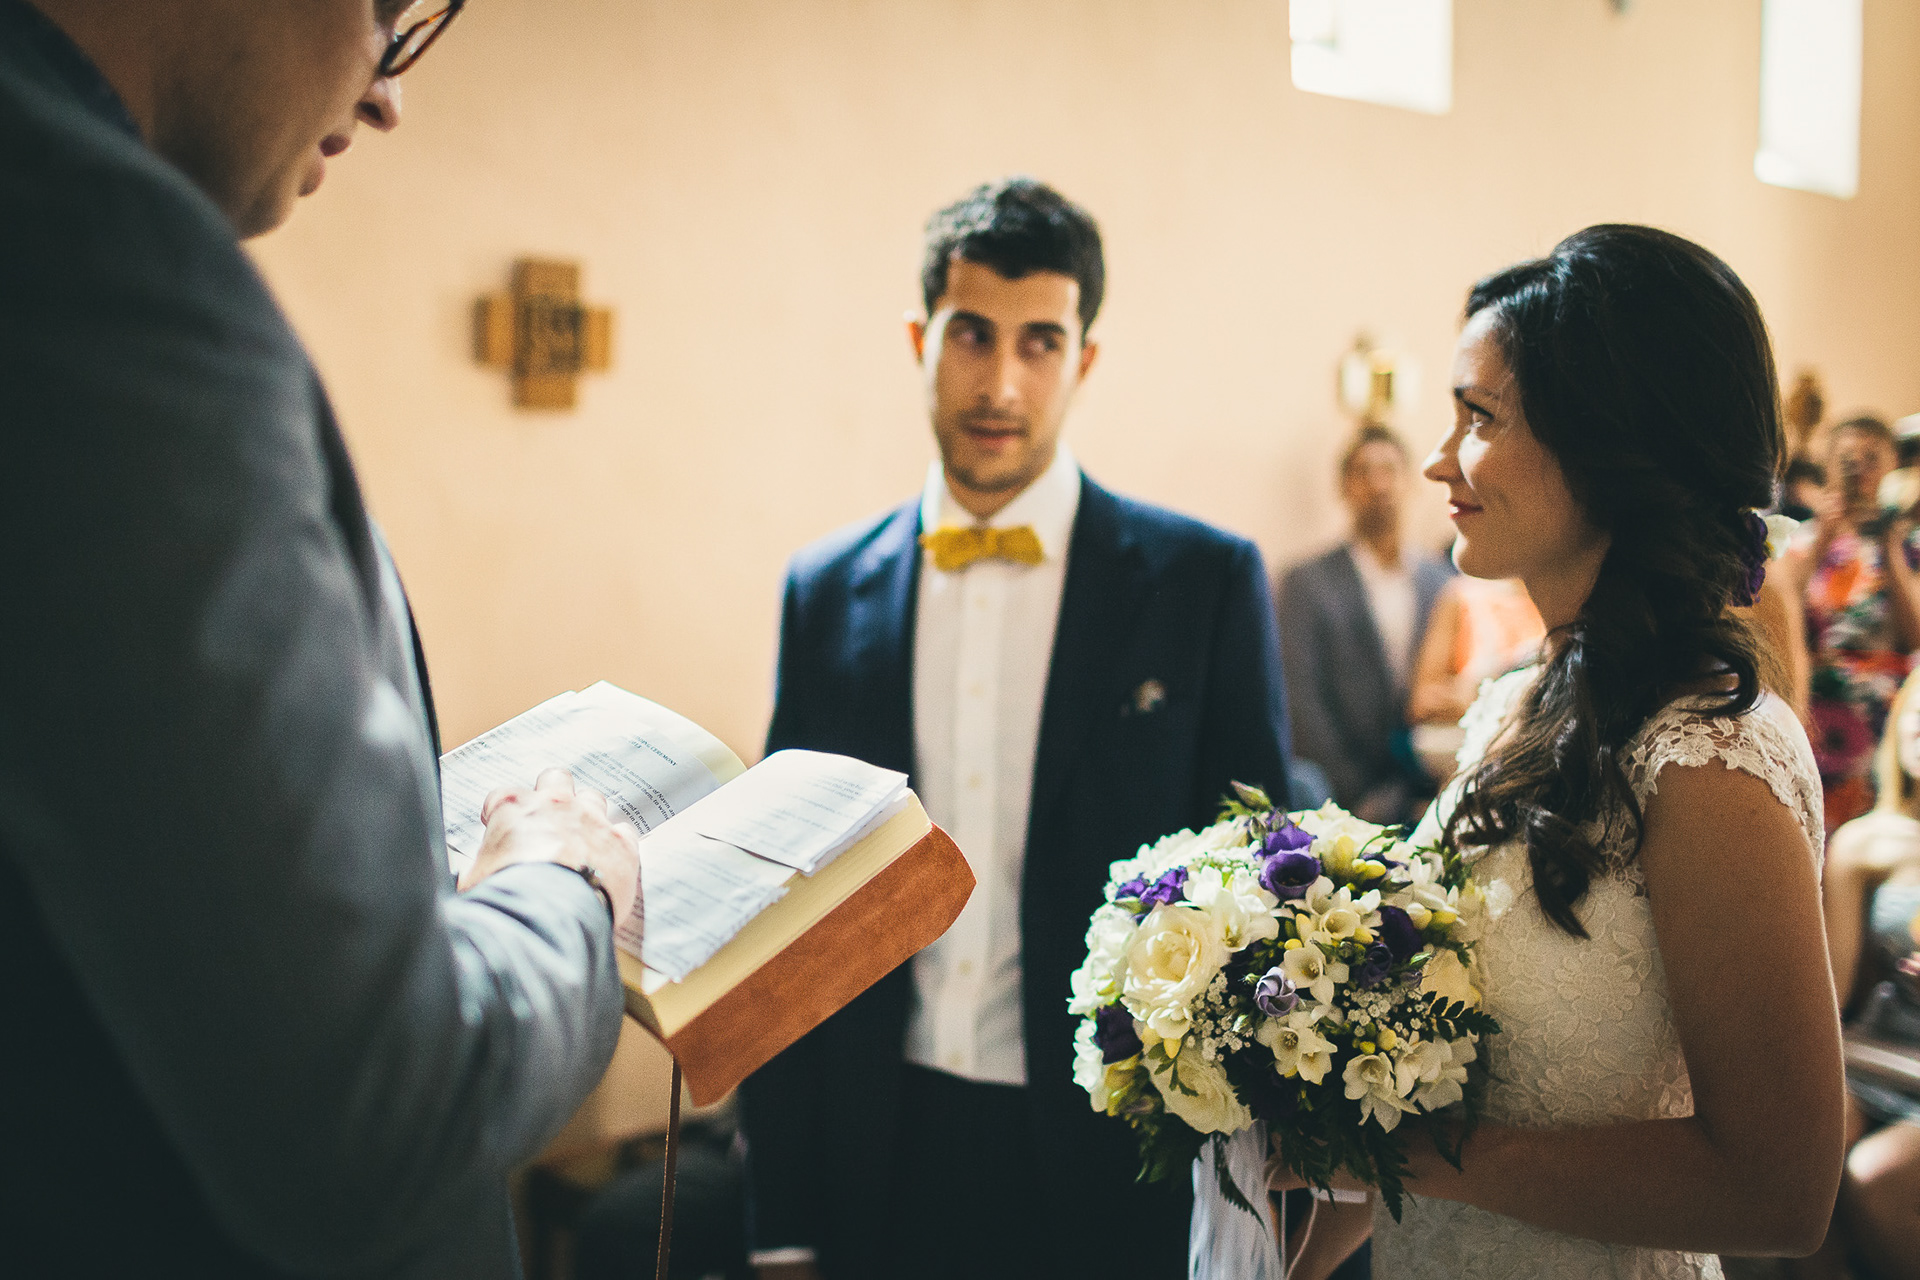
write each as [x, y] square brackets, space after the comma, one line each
[1306, 970]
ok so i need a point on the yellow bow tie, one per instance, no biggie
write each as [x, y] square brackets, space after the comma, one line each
[955, 548]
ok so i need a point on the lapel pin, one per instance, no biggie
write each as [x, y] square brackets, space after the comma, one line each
[1148, 698]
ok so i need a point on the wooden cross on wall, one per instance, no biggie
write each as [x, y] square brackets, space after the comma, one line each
[543, 334]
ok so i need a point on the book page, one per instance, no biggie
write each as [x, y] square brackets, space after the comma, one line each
[800, 808]
[650, 762]
[696, 894]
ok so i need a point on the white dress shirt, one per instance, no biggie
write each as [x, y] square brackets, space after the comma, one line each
[1390, 597]
[983, 641]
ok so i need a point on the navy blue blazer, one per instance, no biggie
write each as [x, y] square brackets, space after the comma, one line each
[1149, 596]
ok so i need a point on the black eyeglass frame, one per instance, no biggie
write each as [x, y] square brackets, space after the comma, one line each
[402, 52]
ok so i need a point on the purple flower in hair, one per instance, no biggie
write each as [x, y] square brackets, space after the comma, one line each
[1754, 556]
[1113, 1032]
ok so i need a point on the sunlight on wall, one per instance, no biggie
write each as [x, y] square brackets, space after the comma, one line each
[1398, 53]
[1810, 58]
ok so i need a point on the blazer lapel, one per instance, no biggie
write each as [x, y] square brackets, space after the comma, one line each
[1097, 607]
[884, 599]
[394, 630]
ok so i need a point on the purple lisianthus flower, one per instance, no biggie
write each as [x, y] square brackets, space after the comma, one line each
[1289, 873]
[1113, 1032]
[1372, 971]
[1274, 996]
[1171, 887]
[1284, 838]
[1397, 931]
[1135, 889]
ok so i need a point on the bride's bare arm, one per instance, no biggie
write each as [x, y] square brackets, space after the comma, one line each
[1736, 906]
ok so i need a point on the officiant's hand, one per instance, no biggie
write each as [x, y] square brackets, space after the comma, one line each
[552, 821]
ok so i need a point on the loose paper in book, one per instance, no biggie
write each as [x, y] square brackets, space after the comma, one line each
[650, 762]
[730, 856]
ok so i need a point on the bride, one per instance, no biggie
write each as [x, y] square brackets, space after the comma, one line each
[1644, 814]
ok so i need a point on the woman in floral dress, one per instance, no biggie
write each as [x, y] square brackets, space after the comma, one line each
[1862, 617]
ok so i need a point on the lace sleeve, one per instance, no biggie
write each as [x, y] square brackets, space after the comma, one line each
[1489, 714]
[1766, 742]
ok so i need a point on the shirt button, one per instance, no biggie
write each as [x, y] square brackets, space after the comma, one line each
[966, 968]
[955, 1062]
[975, 782]
[977, 691]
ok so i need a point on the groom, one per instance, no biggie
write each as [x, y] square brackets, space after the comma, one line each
[1067, 674]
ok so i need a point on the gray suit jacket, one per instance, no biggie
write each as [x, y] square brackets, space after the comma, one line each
[1347, 707]
[249, 1029]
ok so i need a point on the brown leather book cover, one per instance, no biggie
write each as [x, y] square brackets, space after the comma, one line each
[806, 957]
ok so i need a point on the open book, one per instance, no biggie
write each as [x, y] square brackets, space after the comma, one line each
[770, 896]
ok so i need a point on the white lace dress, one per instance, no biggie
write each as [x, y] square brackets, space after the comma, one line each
[1588, 1036]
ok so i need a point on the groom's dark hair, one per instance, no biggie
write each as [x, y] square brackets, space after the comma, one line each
[1017, 226]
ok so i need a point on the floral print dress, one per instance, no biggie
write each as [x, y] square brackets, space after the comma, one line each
[1858, 666]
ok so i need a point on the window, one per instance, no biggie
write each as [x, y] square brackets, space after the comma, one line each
[1398, 53]
[1810, 96]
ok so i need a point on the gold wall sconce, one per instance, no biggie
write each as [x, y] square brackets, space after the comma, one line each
[542, 334]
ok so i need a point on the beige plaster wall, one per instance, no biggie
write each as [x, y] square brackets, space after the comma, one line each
[744, 180]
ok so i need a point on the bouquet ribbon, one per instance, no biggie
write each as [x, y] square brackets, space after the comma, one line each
[1228, 1243]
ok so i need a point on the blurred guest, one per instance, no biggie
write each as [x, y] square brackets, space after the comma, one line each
[1066, 674]
[1872, 891]
[1481, 628]
[1350, 622]
[1800, 488]
[252, 1029]
[1854, 567]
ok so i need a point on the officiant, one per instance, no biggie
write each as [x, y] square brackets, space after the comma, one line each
[251, 1030]
[1066, 673]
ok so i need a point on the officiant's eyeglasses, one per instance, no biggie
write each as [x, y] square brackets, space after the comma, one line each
[412, 40]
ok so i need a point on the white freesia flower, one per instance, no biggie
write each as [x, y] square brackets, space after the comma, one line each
[1212, 1106]
[1309, 970]
[1089, 1066]
[1332, 915]
[1297, 1047]
[1444, 975]
[1370, 1080]
[1243, 908]
[1780, 531]
[1098, 982]
[1442, 1076]
[1174, 954]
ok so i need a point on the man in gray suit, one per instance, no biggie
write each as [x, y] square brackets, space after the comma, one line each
[1350, 627]
[251, 1029]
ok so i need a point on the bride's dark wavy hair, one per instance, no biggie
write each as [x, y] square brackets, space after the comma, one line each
[1644, 368]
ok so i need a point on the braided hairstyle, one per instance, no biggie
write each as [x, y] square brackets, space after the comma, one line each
[1644, 368]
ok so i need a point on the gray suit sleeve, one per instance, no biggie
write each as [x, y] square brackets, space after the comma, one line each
[222, 806]
[1305, 648]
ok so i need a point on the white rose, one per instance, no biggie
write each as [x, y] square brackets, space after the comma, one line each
[1174, 954]
[1243, 908]
[1297, 1047]
[1098, 982]
[1445, 976]
[1202, 1096]
[1369, 1079]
